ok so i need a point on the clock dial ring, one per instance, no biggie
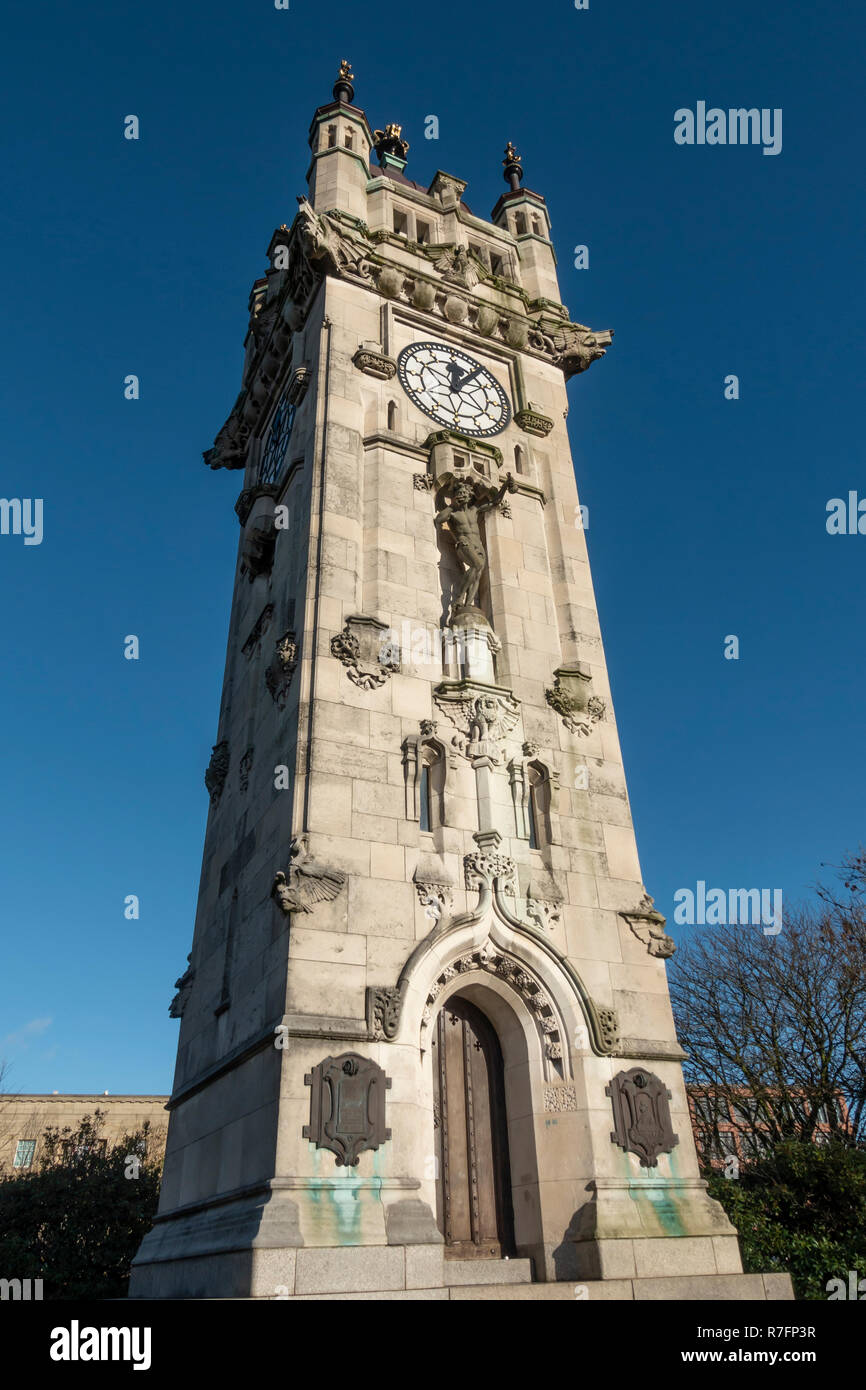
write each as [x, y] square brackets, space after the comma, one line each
[453, 388]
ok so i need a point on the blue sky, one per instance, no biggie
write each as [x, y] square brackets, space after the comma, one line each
[707, 516]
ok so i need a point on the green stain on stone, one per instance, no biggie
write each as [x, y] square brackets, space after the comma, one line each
[664, 1206]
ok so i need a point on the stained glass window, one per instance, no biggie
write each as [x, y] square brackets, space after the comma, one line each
[278, 442]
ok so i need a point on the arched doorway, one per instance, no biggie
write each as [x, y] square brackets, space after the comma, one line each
[473, 1174]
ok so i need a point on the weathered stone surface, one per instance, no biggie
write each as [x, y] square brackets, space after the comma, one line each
[430, 811]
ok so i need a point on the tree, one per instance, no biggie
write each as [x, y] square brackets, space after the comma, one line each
[77, 1220]
[800, 1208]
[775, 1025]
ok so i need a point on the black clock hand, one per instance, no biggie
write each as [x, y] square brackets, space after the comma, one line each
[454, 376]
[468, 377]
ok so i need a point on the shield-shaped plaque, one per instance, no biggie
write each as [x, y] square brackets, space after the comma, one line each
[641, 1115]
[347, 1106]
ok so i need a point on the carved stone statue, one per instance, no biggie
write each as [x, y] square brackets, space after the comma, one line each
[307, 882]
[468, 502]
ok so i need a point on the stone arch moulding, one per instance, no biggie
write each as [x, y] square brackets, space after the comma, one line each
[476, 967]
[477, 941]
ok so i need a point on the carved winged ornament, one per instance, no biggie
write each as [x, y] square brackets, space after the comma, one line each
[307, 882]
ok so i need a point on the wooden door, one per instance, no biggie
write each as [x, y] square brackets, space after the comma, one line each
[473, 1186]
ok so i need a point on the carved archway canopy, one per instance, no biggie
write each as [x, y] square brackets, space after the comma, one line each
[493, 938]
[488, 960]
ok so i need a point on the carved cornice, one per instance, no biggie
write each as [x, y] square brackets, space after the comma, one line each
[319, 244]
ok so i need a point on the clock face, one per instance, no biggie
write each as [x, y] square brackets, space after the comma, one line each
[453, 389]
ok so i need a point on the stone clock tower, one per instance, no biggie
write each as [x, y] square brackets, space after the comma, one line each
[425, 1024]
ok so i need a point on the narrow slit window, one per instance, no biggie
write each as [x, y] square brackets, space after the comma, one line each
[424, 798]
[533, 818]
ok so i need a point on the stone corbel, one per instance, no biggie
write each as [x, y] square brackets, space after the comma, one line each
[434, 886]
[544, 900]
[371, 359]
[648, 926]
[533, 421]
[482, 459]
[369, 660]
[572, 699]
[488, 871]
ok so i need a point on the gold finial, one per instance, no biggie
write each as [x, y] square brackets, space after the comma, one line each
[389, 142]
[513, 169]
[343, 89]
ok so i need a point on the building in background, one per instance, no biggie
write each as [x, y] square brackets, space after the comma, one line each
[24, 1120]
[734, 1125]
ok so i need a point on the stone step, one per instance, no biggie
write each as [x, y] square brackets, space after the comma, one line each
[487, 1272]
[671, 1288]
